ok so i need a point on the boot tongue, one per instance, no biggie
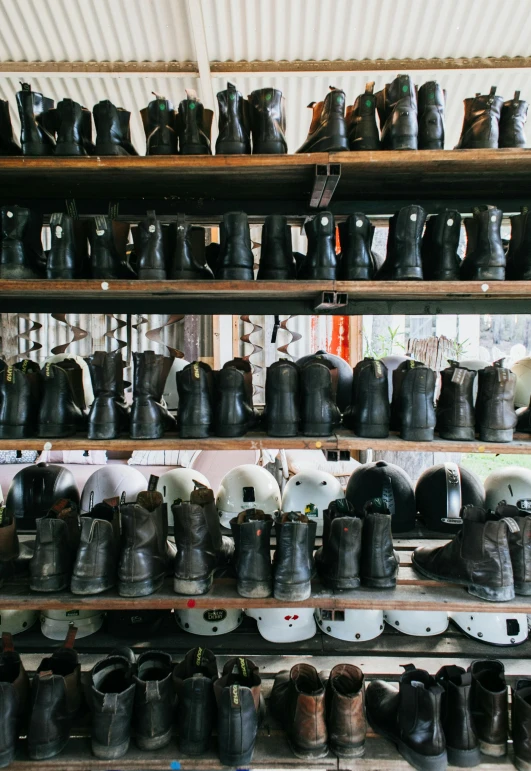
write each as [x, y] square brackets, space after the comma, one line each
[251, 515]
[340, 508]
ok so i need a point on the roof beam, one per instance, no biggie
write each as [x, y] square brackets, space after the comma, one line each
[197, 25]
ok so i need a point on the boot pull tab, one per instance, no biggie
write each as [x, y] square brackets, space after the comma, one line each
[276, 327]
[231, 87]
[70, 637]
[56, 218]
[241, 665]
[158, 96]
[512, 524]
[235, 696]
[7, 642]
[25, 86]
[492, 94]
[101, 224]
[310, 107]
[524, 210]
[199, 485]
[151, 218]
[152, 484]
[191, 93]
[408, 667]
[369, 87]
[516, 98]
[112, 502]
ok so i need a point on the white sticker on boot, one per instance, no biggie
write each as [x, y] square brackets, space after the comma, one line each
[9, 213]
[359, 223]
[152, 228]
[413, 217]
[59, 231]
[324, 220]
[450, 223]
[458, 376]
[493, 218]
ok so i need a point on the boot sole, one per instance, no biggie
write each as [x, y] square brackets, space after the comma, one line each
[154, 742]
[18, 272]
[521, 765]
[434, 144]
[493, 750]
[111, 149]
[404, 143]
[60, 275]
[151, 275]
[109, 753]
[372, 431]
[464, 758]
[418, 435]
[496, 435]
[36, 148]
[317, 429]
[317, 752]
[192, 586]
[256, 589]
[270, 148]
[15, 432]
[7, 757]
[522, 588]
[357, 274]
[194, 432]
[283, 429]
[69, 148]
[293, 592]
[232, 148]
[89, 585]
[228, 431]
[237, 760]
[355, 751]
[194, 150]
[140, 588]
[502, 594]
[406, 274]
[236, 274]
[49, 750]
[145, 431]
[463, 434]
[50, 583]
[55, 430]
[192, 748]
[488, 274]
[422, 762]
[322, 274]
[332, 144]
[341, 584]
[102, 431]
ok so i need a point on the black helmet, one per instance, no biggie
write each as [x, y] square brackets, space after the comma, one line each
[344, 381]
[391, 484]
[442, 491]
[35, 489]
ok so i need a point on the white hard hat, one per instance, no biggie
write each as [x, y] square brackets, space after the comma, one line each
[55, 623]
[177, 484]
[119, 481]
[87, 381]
[280, 625]
[494, 628]
[350, 625]
[419, 623]
[247, 487]
[170, 394]
[522, 370]
[15, 621]
[311, 492]
[210, 623]
[511, 484]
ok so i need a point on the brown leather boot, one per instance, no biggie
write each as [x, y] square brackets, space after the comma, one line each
[328, 129]
[495, 413]
[345, 712]
[490, 710]
[519, 547]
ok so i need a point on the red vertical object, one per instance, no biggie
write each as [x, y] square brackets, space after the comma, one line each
[339, 343]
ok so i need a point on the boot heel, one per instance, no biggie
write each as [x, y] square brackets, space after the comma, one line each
[194, 432]
[231, 148]
[237, 274]
[104, 752]
[496, 435]
[502, 594]
[317, 429]
[348, 752]
[293, 592]
[45, 751]
[228, 431]
[433, 144]
[69, 148]
[194, 150]
[357, 274]
[101, 431]
[55, 430]
[372, 431]
[493, 750]
[522, 588]
[151, 275]
[465, 758]
[49, 583]
[36, 148]
[146, 431]
[404, 143]
[89, 585]
[283, 429]
[14, 432]
[139, 588]
[273, 147]
[303, 754]
[196, 586]
[489, 274]
[464, 434]
[258, 589]
[60, 275]
[409, 274]
[417, 434]
[379, 583]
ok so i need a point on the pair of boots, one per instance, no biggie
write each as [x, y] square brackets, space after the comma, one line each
[302, 398]
[261, 115]
[491, 122]
[319, 713]
[21, 255]
[369, 412]
[175, 251]
[185, 131]
[412, 405]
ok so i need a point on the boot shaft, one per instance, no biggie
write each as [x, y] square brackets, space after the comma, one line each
[431, 99]
[481, 122]
[295, 538]
[33, 108]
[150, 373]
[320, 261]
[318, 391]
[268, 121]
[194, 126]
[8, 145]
[419, 716]
[144, 523]
[276, 252]
[106, 373]
[361, 121]
[20, 393]
[512, 121]
[357, 261]
[440, 260]
[71, 123]
[378, 559]
[234, 123]
[235, 259]
[158, 119]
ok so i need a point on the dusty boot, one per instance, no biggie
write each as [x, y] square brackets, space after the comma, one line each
[193, 680]
[20, 393]
[410, 716]
[200, 546]
[481, 123]
[234, 414]
[519, 546]
[158, 119]
[62, 411]
[21, 243]
[283, 398]
[478, 557]
[417, 411]
[356, 262]
[149, 415]
[56, 546]
[276, 252]
[455, 407]
[239, 711]
[521, 724]
[363, 132]
[108, 242]
[71, 121]
[369, 412]
[154, 700]
[234, 137]
[338, 559]
[298, 702]
[14, 697]
[431, 116]
[94, 569]
[440, 260]
[319, 414]
[56, 698]
[485, 256]
[194, 126]
[490, 711]
[403, 260]
[268, 122]
[8, 145]
[113, 133]
[251, 531]
[145, 555]
[109, 413]
[68, 255]
[36, 133]
[195, 386]
[320, 262]
[495, 413]
[235, 259]
[518, 266]
[345, 713]
[512, 122]
[379, 562]
[293, 558]
[397, 111]
[152, 242]
[112, 696]
[328, 129]
[187, 261]
[456, 717]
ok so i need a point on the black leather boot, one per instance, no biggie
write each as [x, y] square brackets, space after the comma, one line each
[485, 256]
[338, 559]
[251, 531]
[495, 414]
[512, 122]
[396, 404]
[145, 555]
[356, 262]
[154, 700]
[283, 398]
[519, 547]
[363, 132]
[62, 411]
[200, 546]
[150, 417]
[36, 131]
[489, 703]
[518, 266]
[521, 724]
[158, 119]
[193, 681]
[113, 132]
[68, 255]
[195, 386]
[379, 562]
[276, 252]
[440, 260]
[268, 122]
[234, 414]
[403, 261]
[397, 111]
[14, 698]
[369, 411]
[108, 243]
[431, 116]
[235, 259]
[112, 697]
[8, 144]
[455, 406]
[456, 717]
[152, 247]
[319, 414]
[293, 561]
[109, 412]
[234, 125]
[410, 716]
[71, 122]
[481, 122]
[194, 126]
[94, 569]
[188, 258]
[328, 129]
[240, 707]
[478, 557]
[21, 255]
[417, 410]
[56, 546]
[20, 393]
[320, 262]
